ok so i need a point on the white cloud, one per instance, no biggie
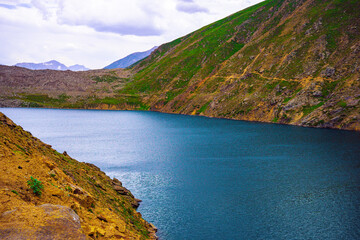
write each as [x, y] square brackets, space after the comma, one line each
[189, 6]
[97, 32]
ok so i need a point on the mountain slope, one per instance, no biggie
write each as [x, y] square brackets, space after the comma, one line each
[51, 65]
[294, 62]
[130, 59]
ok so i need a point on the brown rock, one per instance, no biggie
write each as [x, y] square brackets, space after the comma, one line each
[328, 72]
[41, 222]
[153, 227]
[102, 218]
[135, 204]
[116, 182]
[121, 190]
[85, 200]
[78, 191]
[99, 185]
[49, 164]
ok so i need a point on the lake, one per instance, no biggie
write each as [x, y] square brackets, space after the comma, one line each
[204, 178]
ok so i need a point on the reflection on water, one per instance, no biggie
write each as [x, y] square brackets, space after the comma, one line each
[202, 178]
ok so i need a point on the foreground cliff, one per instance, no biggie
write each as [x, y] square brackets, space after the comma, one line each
[292, 62]
[76, 200]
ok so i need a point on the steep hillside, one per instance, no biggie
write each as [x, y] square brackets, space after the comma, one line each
[292, 62]
[77, 200]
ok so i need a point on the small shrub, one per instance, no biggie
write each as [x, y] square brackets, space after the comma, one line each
[35, 185]
[342, 104]
[14, 191]
[67, 188]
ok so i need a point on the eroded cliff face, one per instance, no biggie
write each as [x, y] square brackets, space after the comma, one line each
[78, 200]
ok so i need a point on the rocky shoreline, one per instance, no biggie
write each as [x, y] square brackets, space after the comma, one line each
[48, 195]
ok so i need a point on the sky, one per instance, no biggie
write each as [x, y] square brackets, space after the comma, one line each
[96, 33]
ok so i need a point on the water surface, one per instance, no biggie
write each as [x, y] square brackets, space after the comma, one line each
[202, 178]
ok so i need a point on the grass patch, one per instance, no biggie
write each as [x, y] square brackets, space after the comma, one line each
[21, 148]
[250, 90]
[271, 86]
[328, 87]
[286, 100]
[203, 107]
[309, 109]
[106, 78]
[342, 104]
[39, 100]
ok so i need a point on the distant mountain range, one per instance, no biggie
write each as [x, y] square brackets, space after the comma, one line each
[130, 59]
[52, 65]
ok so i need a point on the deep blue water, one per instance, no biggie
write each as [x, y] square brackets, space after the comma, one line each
[202, 178]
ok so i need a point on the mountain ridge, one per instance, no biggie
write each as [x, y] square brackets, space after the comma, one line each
[51, 65]
[130, 59]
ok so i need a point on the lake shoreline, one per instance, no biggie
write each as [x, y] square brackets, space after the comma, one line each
[202, 166]
[356, 129]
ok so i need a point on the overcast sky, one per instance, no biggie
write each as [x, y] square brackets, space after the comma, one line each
[96, 33]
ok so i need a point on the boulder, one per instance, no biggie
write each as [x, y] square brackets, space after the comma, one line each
[328, 72]
[116, 182]
[44, 222]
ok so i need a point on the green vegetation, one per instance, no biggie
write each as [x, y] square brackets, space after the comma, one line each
[328, 87]
[286, 100]
[309, 109]
[109, 78]
[203, 108]
[272, 85]
[21, 148]
[35, 185]
[342, 104]
[43, 99]
[275, 120]
[14, 191]
[250, 90]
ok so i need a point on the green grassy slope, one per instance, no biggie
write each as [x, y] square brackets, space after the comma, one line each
[282, 61]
